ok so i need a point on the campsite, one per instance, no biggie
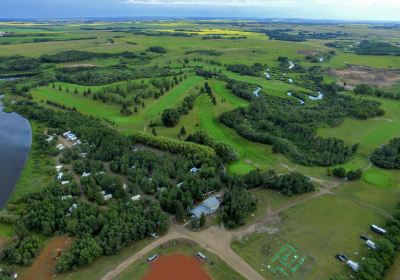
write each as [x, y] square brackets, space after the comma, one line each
[166, 138]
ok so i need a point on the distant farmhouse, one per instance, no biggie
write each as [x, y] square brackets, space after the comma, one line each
[207, 207]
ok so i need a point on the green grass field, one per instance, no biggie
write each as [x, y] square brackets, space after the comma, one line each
[310, 228]
[139, 121]
[317, 229]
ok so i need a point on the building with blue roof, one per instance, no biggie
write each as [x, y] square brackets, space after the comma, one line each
[207, 207]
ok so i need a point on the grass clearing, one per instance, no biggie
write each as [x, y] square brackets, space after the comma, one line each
[334, 220]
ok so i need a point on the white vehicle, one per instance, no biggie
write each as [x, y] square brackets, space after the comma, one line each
[370, 244]
[64, 183]
[377, 229]
[85, 174]
[353, 265]
[136, 197]
[154, 235]
[108, 197]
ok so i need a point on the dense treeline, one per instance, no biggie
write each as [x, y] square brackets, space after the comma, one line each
[224, 151]
[74, 56]
[242, 69]
[157, 49]
[238, 204]
[376, 48]
[241, 89]
[172, 145]
[92, 76]
[300, 36]
[21, 251]
[388, 156]
[206, 52]
[291, 127]
[170, 178]
[18, 64]
[288, 184]
[364, 89]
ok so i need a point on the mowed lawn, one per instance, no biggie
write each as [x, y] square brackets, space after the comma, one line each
[126, 124]
[320, 229]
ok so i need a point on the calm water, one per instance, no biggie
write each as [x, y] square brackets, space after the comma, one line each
[15, 143]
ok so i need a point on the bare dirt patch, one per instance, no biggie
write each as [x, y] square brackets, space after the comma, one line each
[177, 267]
[43, 266]
[354, 75]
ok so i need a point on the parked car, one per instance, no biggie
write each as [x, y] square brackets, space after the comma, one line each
[341, 257]
[365, 237]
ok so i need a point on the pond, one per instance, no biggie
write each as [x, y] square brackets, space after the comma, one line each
[15, 144]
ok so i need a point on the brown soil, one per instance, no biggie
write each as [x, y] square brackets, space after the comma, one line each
[43, 266]
[177, 267]
[355, 75]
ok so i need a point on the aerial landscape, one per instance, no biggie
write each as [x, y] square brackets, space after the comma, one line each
[181, 140]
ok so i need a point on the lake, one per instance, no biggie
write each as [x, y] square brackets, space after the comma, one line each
[15, 144]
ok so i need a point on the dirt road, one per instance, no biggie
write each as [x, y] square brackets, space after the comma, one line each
[218, 240]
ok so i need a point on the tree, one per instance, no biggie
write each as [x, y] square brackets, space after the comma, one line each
[170, 117]
[339, 172]
[180, 212]
[238, 204]
[182, 132]
[202, 221]
[82, 252]
[354, 175]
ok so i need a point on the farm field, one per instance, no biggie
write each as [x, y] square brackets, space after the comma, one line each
[129, 74]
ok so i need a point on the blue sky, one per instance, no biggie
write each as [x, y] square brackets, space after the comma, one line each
[314, 9]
